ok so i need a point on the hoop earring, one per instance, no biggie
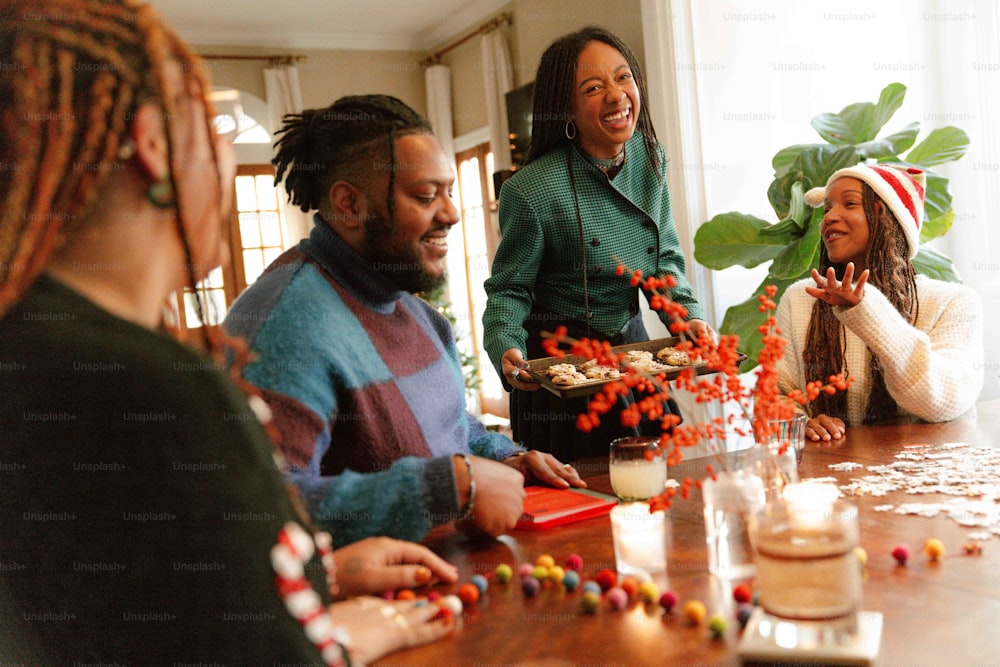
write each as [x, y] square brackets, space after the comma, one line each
[160, 193]
[570, 124]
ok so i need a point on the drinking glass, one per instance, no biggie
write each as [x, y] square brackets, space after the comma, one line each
[774, 465]
[788, 434]
[637, 468]
[730, 497]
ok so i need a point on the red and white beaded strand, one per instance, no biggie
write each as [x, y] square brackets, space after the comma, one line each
[288, 558]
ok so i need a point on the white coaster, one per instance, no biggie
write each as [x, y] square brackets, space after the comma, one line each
[861, 649]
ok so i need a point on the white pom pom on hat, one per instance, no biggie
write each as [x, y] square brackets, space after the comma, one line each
[900, 188]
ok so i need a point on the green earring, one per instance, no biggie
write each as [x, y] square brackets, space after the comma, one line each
[161, 193]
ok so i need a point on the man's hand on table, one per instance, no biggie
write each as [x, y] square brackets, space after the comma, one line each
[499, 498]
[547, 469]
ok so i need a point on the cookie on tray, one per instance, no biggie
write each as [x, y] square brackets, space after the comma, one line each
[674, 356]
[637, 356]
[568, 379]
[560, 369]
[602, 373]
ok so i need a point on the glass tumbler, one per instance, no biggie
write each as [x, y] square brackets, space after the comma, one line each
[637, 468]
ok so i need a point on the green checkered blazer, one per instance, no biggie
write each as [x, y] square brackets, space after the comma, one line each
[540, 260]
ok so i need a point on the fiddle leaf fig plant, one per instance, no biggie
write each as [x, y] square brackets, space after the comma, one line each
[792, 245]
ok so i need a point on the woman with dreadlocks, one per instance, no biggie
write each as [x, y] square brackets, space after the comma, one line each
[913, 345]
[593, 194]
[144, 520]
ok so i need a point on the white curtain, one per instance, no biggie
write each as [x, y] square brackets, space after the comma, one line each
[284, 96]
[498, 80]
[437, 79]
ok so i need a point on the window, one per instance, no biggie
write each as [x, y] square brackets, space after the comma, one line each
[214, 301]
[478, 201]
[255, 240]
[257, 232]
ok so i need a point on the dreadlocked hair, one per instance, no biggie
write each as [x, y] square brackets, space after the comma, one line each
[75, 73]
[555, 83]
[352, 140]
[891, 272]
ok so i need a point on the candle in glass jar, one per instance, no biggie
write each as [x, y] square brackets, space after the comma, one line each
[806, 567]
[640, 539]
[810, 503]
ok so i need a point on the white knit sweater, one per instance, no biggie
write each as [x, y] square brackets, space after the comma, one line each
[933, 370]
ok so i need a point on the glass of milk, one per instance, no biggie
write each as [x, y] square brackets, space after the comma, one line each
[637, 467]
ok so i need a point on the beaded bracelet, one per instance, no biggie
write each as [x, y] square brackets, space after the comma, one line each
[471, 502]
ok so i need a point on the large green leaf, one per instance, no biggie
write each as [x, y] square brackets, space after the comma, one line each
[942, 145]
[787, 229]
[800, 256]
[785, 158]
[744, 318]
[891, 145]
[931, 263]
[889, 101]
[860, 122]
[936, 227]
[797, 205]
[813, 167]
[734, 238]
[937, 195]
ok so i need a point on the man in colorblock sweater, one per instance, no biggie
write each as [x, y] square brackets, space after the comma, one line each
[363, 377]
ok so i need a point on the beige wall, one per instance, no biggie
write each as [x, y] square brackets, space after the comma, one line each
[535, 25]
[538, 24]
[468, 97]
[326, 75]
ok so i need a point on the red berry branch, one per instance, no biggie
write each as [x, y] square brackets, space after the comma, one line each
[760, 404]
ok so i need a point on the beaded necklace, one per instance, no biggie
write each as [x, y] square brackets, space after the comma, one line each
[610, 166]
[609, 163]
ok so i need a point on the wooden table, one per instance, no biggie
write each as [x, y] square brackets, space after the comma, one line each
[943, 614]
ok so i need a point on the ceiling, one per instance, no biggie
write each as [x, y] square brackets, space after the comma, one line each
[378, 25]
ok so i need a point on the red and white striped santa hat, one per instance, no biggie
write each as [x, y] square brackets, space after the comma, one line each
[900, 188]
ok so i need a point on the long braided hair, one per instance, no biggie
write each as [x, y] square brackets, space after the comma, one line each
[887, 258]
[73, 75]
[555, 82]
[352, 140]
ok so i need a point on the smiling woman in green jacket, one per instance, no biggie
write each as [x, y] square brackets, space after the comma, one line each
[593, 194]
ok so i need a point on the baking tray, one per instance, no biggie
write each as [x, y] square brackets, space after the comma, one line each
[537, 368]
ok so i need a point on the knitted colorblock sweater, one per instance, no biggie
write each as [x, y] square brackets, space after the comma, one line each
[366, 390]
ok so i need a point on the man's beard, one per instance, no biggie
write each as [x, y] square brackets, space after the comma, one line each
[404, 267]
